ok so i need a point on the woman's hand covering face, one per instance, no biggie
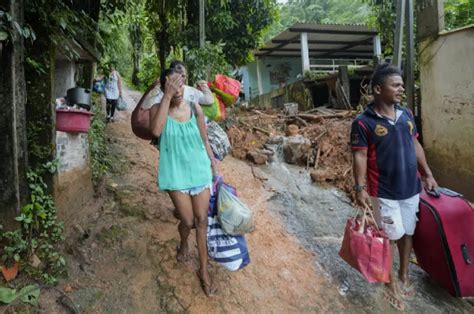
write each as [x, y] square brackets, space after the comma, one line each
[174, 84]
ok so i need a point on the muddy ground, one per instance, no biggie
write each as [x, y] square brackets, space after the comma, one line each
[121, 247]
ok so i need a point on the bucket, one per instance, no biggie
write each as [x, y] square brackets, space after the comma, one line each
[79, 96]
[73, 120]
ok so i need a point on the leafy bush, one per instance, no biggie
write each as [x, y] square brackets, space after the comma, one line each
[40, 231]
[458, 13]
[149, 69]
[203, 64]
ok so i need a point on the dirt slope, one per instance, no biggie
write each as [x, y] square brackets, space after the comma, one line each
[121, 249]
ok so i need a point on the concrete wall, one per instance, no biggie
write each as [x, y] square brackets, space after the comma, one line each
[447, 108]
[64, 77]
[73, 183]
[287, 69]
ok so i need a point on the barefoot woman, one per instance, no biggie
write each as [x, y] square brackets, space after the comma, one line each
[186, 166]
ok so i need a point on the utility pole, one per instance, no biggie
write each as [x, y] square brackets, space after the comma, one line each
[202, 33]
[398, 45]
[405, 13]
[410, 58]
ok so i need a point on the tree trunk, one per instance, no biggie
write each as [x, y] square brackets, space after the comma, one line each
[136, 39]
[13, 140]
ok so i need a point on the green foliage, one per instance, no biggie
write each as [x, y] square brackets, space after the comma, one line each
[9, 28]
[240, 25]
[100, 162]
[60, 23]
[150, 69]
[115, 44]
[313, 75]
[36, 148]
[16, 246]
[166, 22]
[40, 231]
[205, 63]
[383, 19]
[320, 11]
[28, 294]
[458, 13]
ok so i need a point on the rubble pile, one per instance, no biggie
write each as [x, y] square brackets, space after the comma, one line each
[317, 140]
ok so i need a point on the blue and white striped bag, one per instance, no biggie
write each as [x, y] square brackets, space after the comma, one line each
[229, 251]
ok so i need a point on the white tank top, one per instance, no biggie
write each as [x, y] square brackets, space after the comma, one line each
[111, 86]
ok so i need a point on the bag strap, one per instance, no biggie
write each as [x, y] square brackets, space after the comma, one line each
[366, 210]
[192, 105]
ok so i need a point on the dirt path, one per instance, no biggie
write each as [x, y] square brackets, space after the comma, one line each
[121, 248]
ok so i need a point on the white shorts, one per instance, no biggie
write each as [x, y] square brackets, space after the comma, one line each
[396, 217]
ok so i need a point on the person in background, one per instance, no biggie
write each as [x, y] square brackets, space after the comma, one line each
[203, 95]
[186, 166]
[112, 90]
[387, 154]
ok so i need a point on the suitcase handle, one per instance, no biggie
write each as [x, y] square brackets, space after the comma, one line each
[465, 254]
[434, 192]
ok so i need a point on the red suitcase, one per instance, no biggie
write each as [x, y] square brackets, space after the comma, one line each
[444, 240]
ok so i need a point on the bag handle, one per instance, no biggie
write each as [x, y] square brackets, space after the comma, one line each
[366, 210]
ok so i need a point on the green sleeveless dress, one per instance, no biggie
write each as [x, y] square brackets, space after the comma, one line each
[184, 163]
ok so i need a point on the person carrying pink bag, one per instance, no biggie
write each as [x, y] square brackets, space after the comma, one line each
[387, 154]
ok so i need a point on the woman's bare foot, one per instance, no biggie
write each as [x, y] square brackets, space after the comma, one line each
[207, 284]
[182, 253]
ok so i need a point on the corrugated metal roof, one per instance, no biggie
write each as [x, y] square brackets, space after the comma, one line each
[324, 41]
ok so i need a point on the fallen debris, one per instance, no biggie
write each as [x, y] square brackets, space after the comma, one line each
[318, 141]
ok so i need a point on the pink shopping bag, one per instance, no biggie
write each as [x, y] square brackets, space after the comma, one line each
[366, 248]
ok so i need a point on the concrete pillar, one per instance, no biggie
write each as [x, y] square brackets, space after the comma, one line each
[14, 157]
[430, 18]
[304, 52]
[259, 77]
[377, 49]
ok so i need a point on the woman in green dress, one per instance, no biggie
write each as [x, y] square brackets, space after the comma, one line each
[186, 166]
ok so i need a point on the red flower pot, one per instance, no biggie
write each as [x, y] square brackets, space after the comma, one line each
[73, 120]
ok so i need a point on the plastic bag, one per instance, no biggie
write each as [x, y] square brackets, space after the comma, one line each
[121, 104]
[218, 140]
[227, 99]
[235, 217]
[227, 250]
[227, 85]
[212, 111]
[99, 86]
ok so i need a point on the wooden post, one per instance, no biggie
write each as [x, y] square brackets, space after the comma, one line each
[304, 52]
[397, 47]
[410, 56]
